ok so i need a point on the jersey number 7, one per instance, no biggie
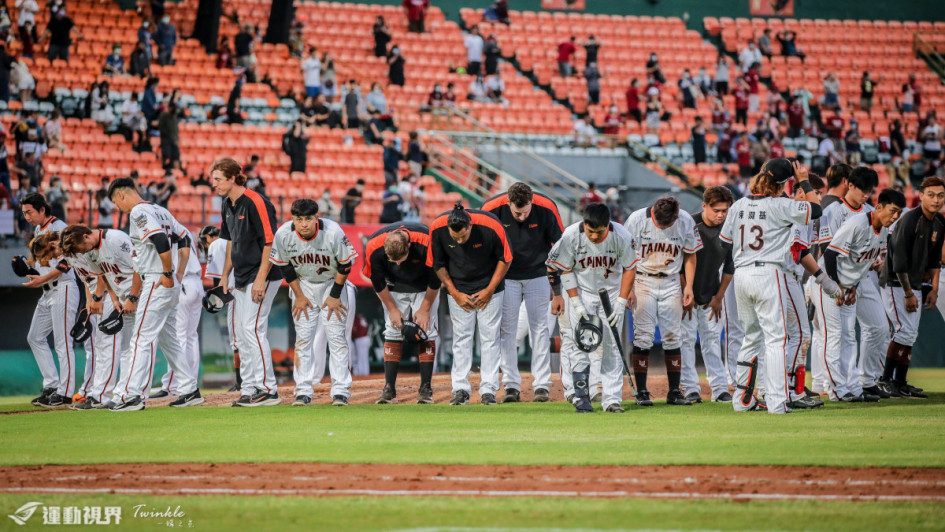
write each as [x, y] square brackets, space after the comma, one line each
[759, 237]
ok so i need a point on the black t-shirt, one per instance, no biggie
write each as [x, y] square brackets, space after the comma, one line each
[249, 225]
[708, 260]
[347, 205]
[530, 240]
[914, 247]
[380, 38]
[242, 43]
[591, 50]
[412, 275]
[472, 264]
[59, 29]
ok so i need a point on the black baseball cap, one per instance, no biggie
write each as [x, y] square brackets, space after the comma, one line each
[778, 170]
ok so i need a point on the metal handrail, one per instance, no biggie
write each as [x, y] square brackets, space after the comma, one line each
[922, 48]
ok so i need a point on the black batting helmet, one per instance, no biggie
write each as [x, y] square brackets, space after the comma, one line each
[589, 333]
[82, 330]
[215, 299]
[112, 324]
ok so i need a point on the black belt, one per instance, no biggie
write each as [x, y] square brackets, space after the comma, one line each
[49, 286]
[760, 263]
[660, 274]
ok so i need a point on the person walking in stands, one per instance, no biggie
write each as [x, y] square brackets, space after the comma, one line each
[416, 11]
[295, 145]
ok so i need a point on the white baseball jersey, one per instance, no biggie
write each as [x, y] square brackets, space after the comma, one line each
[805, 236]
[84, 268]
[148, 219]
[52, 224]
[761, 230]
[661, 250]
[193, 261]
[595, 266]
[216, 259]
[834, 217]
[113, 259]
[858, 245]
[315, 260]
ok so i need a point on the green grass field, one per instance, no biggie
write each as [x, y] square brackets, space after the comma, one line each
[896, 433]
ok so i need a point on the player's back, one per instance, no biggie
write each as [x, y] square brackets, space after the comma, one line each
[761, 230]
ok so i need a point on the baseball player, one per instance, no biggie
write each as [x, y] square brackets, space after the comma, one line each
[708, 290]
[155, 236]
[914, 252]
[315, 258]
[760, 229]
[588, 256]
[249, 227]
[664, 239]
[85, 323]
[105, 256]
[854, 248]
[532, 225]
[470, 254]
[188, 318]
[215, 247]
[55, 312]
[395, 262]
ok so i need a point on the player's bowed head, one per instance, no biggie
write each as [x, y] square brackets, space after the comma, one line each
[596, 222]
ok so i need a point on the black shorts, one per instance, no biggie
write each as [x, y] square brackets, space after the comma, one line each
[473, 68]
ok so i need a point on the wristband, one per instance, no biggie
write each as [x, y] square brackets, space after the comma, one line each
[133, 299]
[818, 272]
[805, 186]
[336, 290]
[97, 298]
[556, 289]
[169, 274]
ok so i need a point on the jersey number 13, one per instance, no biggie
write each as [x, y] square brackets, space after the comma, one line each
[759, 234]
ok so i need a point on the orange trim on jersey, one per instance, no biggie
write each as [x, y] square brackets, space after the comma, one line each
[537, 199]
[869, 217]
[47, 222]
[496, 202]
[260, 205]
[492, 223]
[101, 238]
[302, 238]
[560, 266]
[845, 202]
[831, 246]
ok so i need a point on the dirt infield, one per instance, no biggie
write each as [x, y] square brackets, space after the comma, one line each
[738, 483]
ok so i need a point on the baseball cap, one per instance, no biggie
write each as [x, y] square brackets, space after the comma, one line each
[778, 170]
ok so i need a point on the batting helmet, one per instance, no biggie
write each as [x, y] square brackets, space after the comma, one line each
[589, 333]
[82, 330]
[20, 267]
[412, 332]
[111, 324]
[215, 299]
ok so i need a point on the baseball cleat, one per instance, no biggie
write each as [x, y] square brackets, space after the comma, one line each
[262, 398]
[643, 398]
[188, 399]
[615, 408]
[234, 388]
[159, 395]
[723, 397]
[77, 398]
[803, 402]
[460, 397]
[425, 394]
[388, 395]
[339, 400]
[596, 398]
[488, 399]
[88, 404]
[242, 401]
[541, 396]
[907, 390]
[878, 391]
[302, 400]
[582, 405]
[675, 397]
[569, 398]
[810, 393]
[891, 388]
[133, 405]
[862, 398]
[759, 406]
[55, 401]
[694, 397]
[512, 396]
[43, 397]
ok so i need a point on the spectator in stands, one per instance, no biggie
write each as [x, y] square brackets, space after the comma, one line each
[749, 56]
[114, 62]
[583, 133]
[296, 44]
[27, 42]
[350, 202]
[405, 190]
[436, 100]
[164, 190]
[474, 45]
[395, 66]
[52, 131]
[590, 196]
[312, 72]
[4, 161]
[851, 143]
[834, 126]
[764, 43]
[687, 90]
[295, 145]
[477, 90]
[102, 113]
[773, 101]
[731, 183]
[392, 157]
[254, 180]
[795, 118]
[775, 148]
[721, 75]
[612, 121]
[654, 70]
[170, 136]
[416, 11]
[566, 57]
[243, 48]
[789, 46]
[390, 205]
[698, 141]
[157, 8]
[104, 206]
[720, 116]
[57, 198]
[26, 12]
[225, 54]
[907, 102]
[741, 92]
[931, 138]
[382, 36]
[704, 82]
[376, 100]
[829, 150]
[592, 76]
[726, 144]
[328, 69]
[654, 110]
[139, 64]
[5, 25]
[149, 102]
[831, 91]
[754, 90]
[6, 65]
[22, 80]
[145, 37]
[495, 89]
[415, 154]
[491, 52]
[633, 100]
[326, 207]
[591, 47]
[352, 105]
[30, 168]
[59, 31]
[743, 155]
[450, 96]
[867, 88]
[897, 141]
[372, 131]
[165, 36]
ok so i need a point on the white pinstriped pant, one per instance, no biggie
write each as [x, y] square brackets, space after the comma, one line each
[251, 321]
[734, 334]
[188, 319]
[316, 338]
[710, 336]
[465, 324]
[536, 294]
[55, 314]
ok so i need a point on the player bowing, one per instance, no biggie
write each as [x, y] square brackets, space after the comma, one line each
[470, 254]
[395, 262]
[589, 255]
[315, 257]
